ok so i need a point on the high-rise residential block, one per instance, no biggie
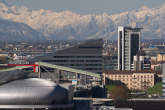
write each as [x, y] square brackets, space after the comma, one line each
[128, 46]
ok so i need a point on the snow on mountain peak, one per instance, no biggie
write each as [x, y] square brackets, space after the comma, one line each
[4, 2]
[163, 6]
[144, 8]
[67, 24]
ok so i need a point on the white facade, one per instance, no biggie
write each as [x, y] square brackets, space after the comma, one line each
[128, 46]
[140, 64]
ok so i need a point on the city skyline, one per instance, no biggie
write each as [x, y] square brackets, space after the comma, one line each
[82, 54]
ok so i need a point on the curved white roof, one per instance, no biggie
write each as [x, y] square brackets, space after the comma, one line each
[32, 91]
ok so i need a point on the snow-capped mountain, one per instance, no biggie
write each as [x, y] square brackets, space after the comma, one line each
[4, 2]
[12, 31]
[69, 25]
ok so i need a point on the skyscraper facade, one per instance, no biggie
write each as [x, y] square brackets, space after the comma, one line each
[128, 46]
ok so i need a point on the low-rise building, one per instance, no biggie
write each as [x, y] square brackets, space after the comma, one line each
[3, 54]
[163, 80]
[141, 63]
[132, 79]
[157, 66]
[161, 57]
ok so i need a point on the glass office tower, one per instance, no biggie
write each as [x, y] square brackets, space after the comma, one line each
[128, 46]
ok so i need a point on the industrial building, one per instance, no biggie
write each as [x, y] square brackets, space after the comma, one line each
[128, 46]
[85, 56]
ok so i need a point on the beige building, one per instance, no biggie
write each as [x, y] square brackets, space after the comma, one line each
[161, 57]
[3, 54]
[133, 80]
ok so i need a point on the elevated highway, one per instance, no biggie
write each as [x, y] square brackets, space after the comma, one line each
[69, 69]
[59, 73]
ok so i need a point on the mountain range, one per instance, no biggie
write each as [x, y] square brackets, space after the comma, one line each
[67, 25]
[17, 32]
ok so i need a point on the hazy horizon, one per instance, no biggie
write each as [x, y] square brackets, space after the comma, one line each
[86, 6]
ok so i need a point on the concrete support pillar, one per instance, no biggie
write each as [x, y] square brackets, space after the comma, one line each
[39, 71]
[58, 78]
[77, 78]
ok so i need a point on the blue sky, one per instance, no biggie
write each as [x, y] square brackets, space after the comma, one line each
[88, 6]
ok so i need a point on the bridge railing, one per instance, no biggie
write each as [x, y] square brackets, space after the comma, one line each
[69, 69]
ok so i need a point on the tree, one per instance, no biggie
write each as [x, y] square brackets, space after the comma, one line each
[157, 89]
[119, 92]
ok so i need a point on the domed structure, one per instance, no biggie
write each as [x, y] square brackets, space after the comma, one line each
[32, 91]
